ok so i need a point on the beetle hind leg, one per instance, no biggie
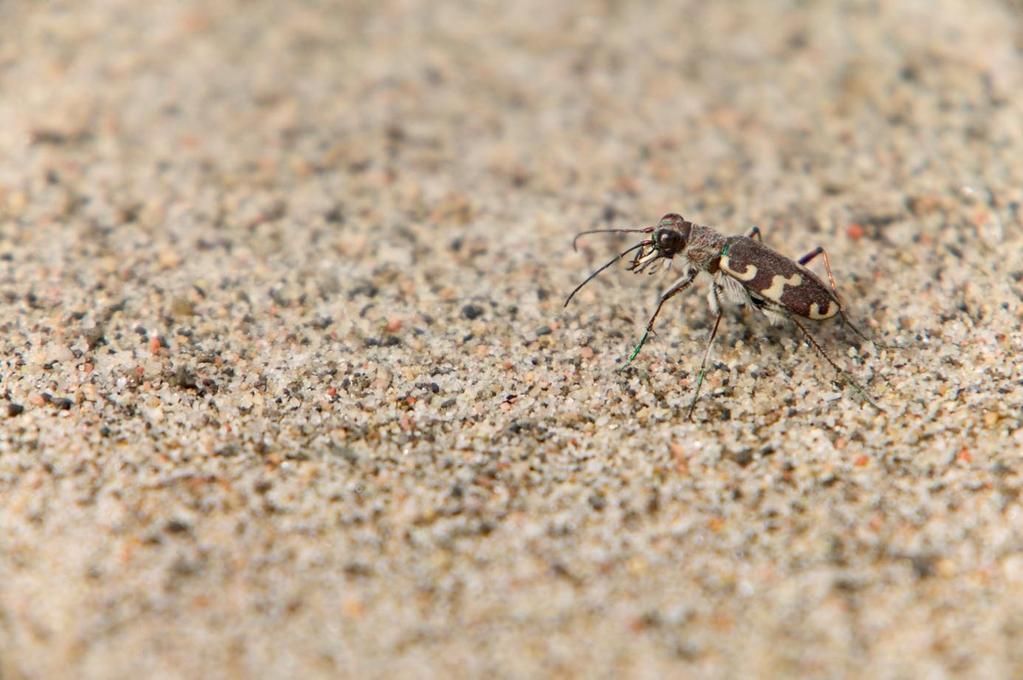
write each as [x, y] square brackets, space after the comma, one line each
[805, 259]
[846, 376]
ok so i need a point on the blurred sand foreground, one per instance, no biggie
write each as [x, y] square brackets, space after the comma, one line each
[289, 389]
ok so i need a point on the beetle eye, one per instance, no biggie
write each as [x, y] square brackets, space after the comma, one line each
[668, 239]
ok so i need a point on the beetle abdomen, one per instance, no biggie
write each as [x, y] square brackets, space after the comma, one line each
[776, 278]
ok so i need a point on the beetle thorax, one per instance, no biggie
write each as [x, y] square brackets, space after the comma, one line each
[704, 248]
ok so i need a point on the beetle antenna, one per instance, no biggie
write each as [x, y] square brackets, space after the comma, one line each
[644, 230]
[617, 257]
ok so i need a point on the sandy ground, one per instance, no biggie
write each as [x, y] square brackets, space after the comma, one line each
[288, 387]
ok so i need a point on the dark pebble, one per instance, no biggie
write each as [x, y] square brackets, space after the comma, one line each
[63, 403]
[177, 526]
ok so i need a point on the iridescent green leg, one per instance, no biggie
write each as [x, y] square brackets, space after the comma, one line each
[703, 367]
[680, 285]
[632, 356]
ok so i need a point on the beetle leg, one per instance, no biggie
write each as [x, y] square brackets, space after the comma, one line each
[845, 319]
[755, 233]
[706, 356]
[841, 371]
[680, 285]
[827, 265]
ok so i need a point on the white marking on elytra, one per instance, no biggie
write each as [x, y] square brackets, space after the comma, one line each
[815, 310]
[778, 284]
[748, 275]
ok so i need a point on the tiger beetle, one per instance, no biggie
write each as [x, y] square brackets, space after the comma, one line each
[744, 272]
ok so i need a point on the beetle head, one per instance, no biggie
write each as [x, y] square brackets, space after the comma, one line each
[669, 238]
[666, 240]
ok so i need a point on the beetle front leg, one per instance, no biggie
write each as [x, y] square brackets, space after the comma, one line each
[680, 285]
